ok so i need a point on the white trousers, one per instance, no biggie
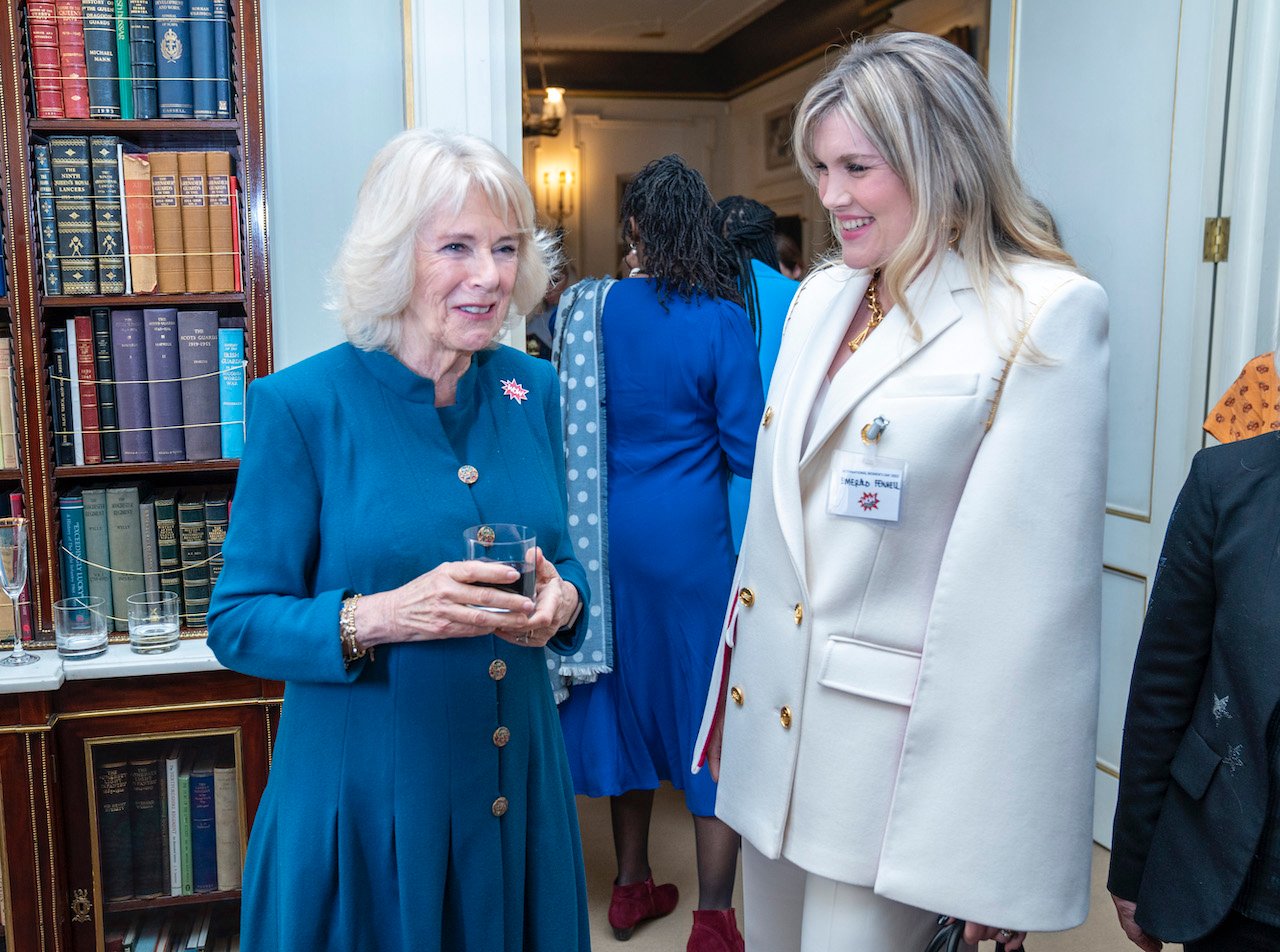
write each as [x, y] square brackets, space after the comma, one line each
[786, 909]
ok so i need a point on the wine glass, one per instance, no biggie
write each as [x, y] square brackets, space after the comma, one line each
[13, 579]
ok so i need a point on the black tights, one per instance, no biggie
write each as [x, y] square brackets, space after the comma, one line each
[717, 847]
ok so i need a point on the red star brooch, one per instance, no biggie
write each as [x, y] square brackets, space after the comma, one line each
[512, 388]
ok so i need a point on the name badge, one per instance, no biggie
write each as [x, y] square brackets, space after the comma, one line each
[866, 487]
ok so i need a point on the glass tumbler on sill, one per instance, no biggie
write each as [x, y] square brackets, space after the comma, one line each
[153, 622]
[80, 626]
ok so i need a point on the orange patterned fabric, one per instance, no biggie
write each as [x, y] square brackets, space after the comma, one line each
[1249, 407]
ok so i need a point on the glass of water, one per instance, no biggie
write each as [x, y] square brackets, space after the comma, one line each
[153, 622]
[80, 626]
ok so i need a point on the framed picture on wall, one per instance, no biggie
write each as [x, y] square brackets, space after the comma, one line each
[777, 137]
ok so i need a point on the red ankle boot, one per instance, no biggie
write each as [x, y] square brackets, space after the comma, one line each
[715, 930]
[636, 902]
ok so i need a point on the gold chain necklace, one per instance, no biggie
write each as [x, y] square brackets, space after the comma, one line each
[877, 313]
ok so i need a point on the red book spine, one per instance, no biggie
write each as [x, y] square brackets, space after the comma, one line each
[75, 71]
[42, 35]
[87, 381]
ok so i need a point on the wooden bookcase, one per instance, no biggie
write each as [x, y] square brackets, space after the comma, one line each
[31, 313]
[50, 866]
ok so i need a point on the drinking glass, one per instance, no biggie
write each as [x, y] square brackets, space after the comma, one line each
[13, 579]
[510, 544]
[80, 626]
[153, 622]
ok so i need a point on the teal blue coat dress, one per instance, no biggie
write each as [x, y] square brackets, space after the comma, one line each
[395, 816]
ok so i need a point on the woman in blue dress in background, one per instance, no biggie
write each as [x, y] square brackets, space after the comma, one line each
[683, 396]
[419, 797]
[766, 292]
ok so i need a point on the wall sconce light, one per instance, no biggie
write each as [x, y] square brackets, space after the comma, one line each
[561, 183]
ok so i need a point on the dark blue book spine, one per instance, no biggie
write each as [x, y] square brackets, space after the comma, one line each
[64, 442]
[222, 47]
[73, 208]
[100, 56]
[48, 219]
[108, 219]
[173, 59]
[164, 389]
[142, 50]
[75, 573]
[129, 356]
[203, 54]
[104, 368]
[204, 837]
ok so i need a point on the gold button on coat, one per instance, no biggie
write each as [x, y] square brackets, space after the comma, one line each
[468, 474]
[799, 613]
[746, 596]
[736, 694]
[784, 715]
[499, 806]
[501, 736]
[768, 416]
[497, 669]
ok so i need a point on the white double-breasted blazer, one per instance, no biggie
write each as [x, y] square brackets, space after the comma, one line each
[913, 704]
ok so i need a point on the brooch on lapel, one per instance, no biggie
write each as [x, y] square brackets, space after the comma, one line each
[512, 388]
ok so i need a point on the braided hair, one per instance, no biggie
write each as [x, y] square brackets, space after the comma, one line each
[748, 227]
[669, 208]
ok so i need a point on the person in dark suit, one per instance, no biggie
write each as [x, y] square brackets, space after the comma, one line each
[1196, 846]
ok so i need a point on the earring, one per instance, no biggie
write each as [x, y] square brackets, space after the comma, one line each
[632, 246]
[954, 236]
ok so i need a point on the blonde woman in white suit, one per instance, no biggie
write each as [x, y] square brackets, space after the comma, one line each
[904, 711]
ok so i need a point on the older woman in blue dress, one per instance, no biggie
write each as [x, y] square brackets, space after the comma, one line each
[419, 795]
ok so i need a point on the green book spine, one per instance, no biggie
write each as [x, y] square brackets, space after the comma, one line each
[124, 59]
[124, 536]
[184, 824]
[216, 506]
[167, 551]
[73, 209]
[108, 220]
[97, 549]
[193, 548]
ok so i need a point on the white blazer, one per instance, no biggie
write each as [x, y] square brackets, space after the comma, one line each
[914, 704]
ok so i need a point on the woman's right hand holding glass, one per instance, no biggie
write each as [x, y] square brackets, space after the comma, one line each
[441, 604]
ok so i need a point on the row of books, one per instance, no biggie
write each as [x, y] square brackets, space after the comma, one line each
[115, 220]
[168, 822]
[197, 930]
[120, 540]
[9, 458]
[152, 385]
[131, 59]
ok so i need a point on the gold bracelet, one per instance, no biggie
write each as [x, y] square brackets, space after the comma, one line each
[351, 649]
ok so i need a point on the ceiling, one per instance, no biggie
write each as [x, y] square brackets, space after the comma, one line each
[710, 49]
[667, 26]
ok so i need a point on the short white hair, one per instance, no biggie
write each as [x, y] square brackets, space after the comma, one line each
[418, 175]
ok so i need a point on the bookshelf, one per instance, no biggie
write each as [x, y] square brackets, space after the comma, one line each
[59, 728]
[34, 316]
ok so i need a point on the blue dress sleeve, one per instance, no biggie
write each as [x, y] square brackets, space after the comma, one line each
[264, 618]
[739, 395]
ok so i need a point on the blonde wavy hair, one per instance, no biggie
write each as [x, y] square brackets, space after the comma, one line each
[926, 107]
[414, 178]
